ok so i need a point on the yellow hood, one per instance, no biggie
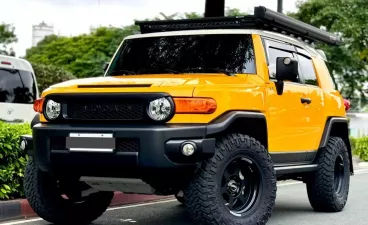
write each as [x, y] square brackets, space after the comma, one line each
[175, 84]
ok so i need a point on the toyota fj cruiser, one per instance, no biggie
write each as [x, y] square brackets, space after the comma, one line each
[214, 111]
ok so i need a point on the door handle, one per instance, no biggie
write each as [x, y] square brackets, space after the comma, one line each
[305, 100]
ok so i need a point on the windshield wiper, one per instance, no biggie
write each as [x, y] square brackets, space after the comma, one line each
[146, 70]
[200, 69]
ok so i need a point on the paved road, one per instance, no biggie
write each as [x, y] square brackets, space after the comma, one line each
[292, 207]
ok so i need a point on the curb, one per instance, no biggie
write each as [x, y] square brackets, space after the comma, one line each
[20, 209]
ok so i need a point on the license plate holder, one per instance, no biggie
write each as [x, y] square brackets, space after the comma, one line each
[90, 142]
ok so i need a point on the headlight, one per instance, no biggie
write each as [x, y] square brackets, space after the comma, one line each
[159, 109]
[52, 110]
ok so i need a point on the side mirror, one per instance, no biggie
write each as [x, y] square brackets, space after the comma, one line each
[286, 70]
[105, 66]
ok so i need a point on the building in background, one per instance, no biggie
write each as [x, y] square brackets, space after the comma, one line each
[40, 31]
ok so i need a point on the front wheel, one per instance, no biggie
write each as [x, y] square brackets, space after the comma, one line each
[328, 188]
[45, 198]
[236, 186]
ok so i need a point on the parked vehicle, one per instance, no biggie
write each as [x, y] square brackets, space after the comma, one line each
[18, 90]
[214, 111]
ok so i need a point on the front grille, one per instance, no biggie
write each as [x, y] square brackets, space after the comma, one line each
[127, 145]
[106, 111]
[122, 144]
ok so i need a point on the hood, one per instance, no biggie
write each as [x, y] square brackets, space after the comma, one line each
[146, 82]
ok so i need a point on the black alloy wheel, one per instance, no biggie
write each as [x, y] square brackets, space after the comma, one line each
[240, 185]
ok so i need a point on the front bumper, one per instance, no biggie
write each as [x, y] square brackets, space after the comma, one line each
[157, 147]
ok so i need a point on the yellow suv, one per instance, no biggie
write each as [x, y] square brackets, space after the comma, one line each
[214, 111]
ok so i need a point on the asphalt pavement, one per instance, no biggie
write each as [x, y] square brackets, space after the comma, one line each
[292, 207]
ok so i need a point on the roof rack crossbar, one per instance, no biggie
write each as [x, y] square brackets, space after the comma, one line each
[263, 19]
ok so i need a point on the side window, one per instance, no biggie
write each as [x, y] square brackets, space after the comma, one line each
[308, 71]
[273, 53]
[274, 50]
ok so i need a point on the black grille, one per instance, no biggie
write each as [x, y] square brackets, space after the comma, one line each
[127, 145]
[122, 144]
[106, 111]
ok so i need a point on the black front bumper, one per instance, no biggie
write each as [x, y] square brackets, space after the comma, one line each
[158, 147]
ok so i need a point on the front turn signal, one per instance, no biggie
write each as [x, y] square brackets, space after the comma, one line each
[38, 105]
[195, 105]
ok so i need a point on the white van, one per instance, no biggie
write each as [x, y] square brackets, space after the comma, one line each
[18, 90]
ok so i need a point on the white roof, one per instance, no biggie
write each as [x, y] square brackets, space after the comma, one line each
[270, 34]
[16, 63]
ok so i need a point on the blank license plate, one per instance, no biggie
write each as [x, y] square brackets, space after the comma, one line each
[83, 142]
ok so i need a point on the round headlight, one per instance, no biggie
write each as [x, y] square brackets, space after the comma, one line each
[159, 109]
[52, 109]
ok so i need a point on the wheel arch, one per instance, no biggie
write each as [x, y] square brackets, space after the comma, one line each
[252, 123]
[338, 127]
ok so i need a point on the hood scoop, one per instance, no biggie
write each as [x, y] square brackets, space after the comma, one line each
[114, 85]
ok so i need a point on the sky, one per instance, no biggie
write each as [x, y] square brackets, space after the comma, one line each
[73, 17]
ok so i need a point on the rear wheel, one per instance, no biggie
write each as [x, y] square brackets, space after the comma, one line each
[44, 195]
[328, 188]
[236, 186]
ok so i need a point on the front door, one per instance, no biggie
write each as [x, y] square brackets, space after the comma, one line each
[288, 115]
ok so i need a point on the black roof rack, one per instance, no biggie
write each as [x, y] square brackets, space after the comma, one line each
[263, 19]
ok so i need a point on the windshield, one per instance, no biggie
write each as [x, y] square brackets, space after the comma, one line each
[17, 86]
[211, 53]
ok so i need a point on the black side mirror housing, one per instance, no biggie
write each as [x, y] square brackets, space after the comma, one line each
[105, 66]
[286, 70]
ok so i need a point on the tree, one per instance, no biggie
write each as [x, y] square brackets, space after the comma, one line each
[7, 36]
[348, 18]
[47, 75]
[81, 55]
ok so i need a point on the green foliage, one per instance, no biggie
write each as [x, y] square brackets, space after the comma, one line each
[47, 75]
[7, 36]
[12, 160]
[82, 55]
[361, 148]
[353, 142]
[348, 63]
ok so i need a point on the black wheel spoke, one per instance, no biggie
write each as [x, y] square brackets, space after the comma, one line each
[245, 182]
[232, 202]
[242, 199]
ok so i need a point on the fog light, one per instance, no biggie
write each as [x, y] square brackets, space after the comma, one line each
[23, 145]
[188, 149]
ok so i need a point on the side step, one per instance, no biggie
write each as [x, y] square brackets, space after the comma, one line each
[125, 185]
[281, 170]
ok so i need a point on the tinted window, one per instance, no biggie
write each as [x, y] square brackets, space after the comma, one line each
[272, 56]
[17, 86]
[307, 68]
[188, 53]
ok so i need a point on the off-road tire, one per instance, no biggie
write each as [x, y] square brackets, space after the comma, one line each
[203, 198]
[320, 186]
[45, 199]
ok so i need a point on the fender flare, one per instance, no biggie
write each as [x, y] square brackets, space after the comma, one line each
[344, 134]
[223, 122]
